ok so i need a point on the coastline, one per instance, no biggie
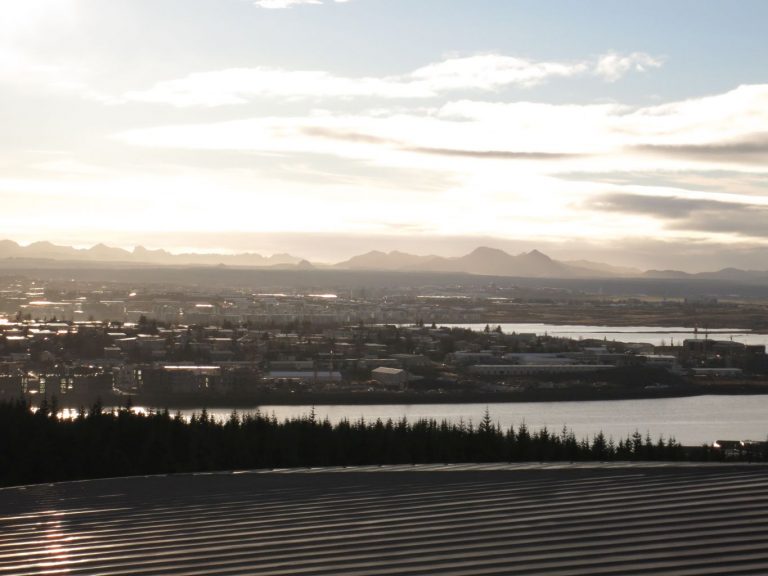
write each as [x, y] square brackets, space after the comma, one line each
[187, 402]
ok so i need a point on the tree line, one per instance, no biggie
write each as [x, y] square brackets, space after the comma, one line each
[42, 446]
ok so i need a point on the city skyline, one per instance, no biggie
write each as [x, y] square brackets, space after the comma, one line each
[629, 134]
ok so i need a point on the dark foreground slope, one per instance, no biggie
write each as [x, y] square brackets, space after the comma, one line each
[559, 520]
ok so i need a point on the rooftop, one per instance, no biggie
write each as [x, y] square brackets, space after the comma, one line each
[559, 519]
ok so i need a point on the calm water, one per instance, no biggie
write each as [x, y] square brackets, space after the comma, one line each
[692, 421]
[656, 335]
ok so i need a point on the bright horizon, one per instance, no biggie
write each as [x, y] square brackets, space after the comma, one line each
[629, 134]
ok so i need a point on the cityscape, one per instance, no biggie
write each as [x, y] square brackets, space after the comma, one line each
[171, 346]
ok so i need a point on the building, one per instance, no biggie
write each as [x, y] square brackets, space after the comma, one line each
[308, 376]
[181, 379]
[390, 376]
[534, 369]
[666, 361]
[412, 360]
[717, 372]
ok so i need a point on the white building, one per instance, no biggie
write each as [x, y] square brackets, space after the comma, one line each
[390, 376]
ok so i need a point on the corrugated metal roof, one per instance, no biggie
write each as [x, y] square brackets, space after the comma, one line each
[448, 520]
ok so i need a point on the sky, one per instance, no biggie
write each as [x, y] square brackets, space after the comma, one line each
[634, 133]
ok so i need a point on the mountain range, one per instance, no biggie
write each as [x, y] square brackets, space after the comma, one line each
[484, 261]
[481, 261]
[139, 255]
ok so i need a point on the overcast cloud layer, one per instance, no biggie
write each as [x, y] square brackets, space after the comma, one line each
[580, 131]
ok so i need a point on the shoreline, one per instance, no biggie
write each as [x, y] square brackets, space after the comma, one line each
[662, 324]
[381, 398]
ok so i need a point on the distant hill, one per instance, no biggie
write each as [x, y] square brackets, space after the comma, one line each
[483, 260]
[602, 268]
[140, 255]
[492, 261]
[534, 264]
[726, 275]
[667, 274]
[376, 260]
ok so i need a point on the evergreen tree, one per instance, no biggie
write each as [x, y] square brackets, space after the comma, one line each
[41, 446]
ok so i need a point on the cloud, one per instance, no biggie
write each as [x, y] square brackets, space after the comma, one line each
[479, 73]
[717, 181]
[720, 132]
[665, 207]
[494, 154]
[491, 72]
[240, 85]
[747, 222]
[520, 157]
[752, 147]
[456, 152]
[394, 140]
[21, 70]
[612, 66]
[281, 4]
[717, 118]
[691, 214]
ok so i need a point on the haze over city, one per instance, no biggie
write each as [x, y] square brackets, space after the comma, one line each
[631, 134]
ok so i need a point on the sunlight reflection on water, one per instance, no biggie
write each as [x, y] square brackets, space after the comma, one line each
[692, 421]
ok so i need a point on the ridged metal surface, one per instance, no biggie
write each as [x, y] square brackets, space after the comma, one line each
[553, 520]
